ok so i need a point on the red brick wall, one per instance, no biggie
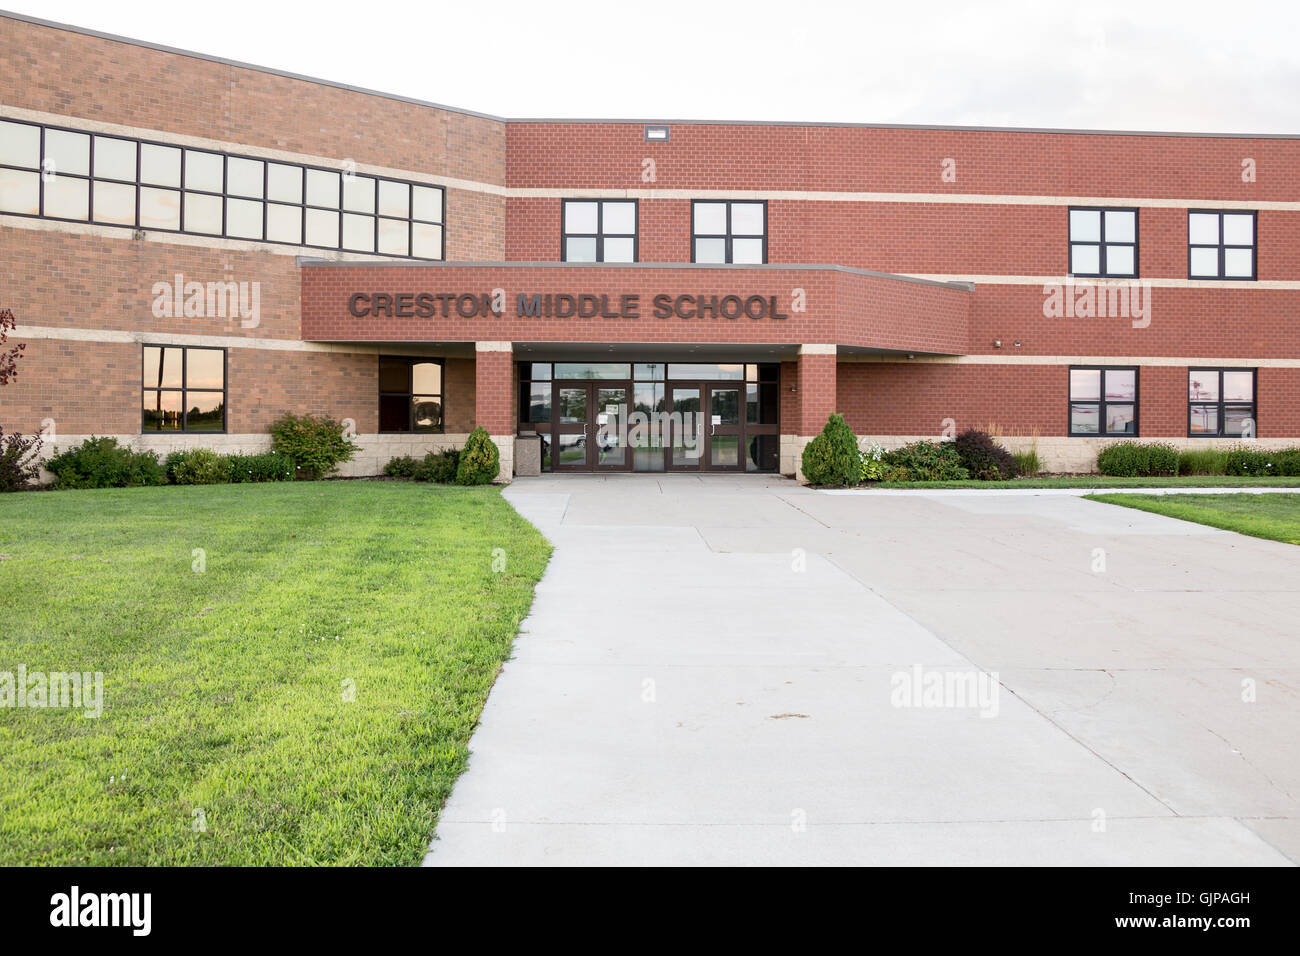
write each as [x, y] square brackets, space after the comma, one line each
[817, 392]
[494, 392]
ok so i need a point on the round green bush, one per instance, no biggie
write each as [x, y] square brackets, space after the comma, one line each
[315, 443]
[1125, 459]
[480, 461]
[403, 467]
[1162, 459]
[832, 458]
[199, 466]
[926, 461]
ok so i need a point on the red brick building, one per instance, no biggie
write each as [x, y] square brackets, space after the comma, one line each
[194, 246]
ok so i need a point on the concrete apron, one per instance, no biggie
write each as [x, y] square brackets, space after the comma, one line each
[716, 671]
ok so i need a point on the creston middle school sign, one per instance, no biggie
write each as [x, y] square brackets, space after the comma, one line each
[563, 305]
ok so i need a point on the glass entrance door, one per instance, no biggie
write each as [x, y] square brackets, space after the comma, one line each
[685, 431]
[722, 435]
[590, 428]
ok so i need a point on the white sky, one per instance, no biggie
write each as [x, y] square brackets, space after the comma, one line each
[1222, 66]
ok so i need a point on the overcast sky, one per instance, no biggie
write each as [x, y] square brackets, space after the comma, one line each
[1223, 66]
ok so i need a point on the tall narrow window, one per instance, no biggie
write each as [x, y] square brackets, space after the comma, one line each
[1221, 245]
[183, 389]
[728, 232]
[599, 230]
[1221, 403]
[1103, 401]
[1103, 242]
[410, 394]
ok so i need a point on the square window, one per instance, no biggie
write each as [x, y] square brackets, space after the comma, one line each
[1085, 384]
[1238, 386]
[620, 250]
[67, 153]
[394, 199]
[162, 367]
[1205, 262]
[323, 189]
[114, 203]
[1121, 385]
[1085, 260]
[710, 218]
[322, 228]
[580, 249]
[1119, 261]
[160, 165]
[20, 192]
[394, 237]
[204, 171]
[1238, 230]
[244, 177]
[580, 217]
[205, 368]
[67, 198]
[1121, 225]
[426, 203]
[1121, 419]
[712, 251]
[20, 145]
[1238, 422]
[1083, 419]
[358, 232]
[747, 251]
[203, 213]
[243, 219]
[619, 218]
[747, 219]
[1085, 225]
[358, 193]
[283, 183]
[1203, 385]
[426, 240]
[284, 223]
[1204, 420]
[114, 158]
[1203, 229]
[1238, 263]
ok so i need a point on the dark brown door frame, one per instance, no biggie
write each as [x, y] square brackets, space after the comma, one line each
[588, 429]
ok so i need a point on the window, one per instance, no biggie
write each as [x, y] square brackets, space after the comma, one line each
[599, 230]
[183, 389]
[1221, 402]
[1220, 245]
[410, 394]
[1103, 401]
[126, 182]
[1103, 242]
[728, 232]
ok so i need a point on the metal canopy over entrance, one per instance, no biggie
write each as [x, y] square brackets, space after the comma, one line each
[650, 416]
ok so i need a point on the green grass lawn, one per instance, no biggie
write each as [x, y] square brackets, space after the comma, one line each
[225, 691]
[1104, 481]
[1273, 516]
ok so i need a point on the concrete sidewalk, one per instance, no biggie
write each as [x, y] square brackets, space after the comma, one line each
[712, 665]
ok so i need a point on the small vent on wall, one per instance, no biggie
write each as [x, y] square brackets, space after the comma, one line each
[656, 134]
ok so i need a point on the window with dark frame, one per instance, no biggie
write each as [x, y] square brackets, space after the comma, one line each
[1103, 400]
[1103, 242]
[1221, 403]
[599, 230]
[729, 232]
[410, 394]
[1221, 245]
[121, 181]
[183, 389]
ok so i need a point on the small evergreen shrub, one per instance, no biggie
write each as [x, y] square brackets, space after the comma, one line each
[198, 466]
[20, 465]
[1203, 461]
[925, 461]
[480, 461]
[403, 467]
[103, 463]
[983, 457]
[314, 442]
[438, 466]
[832, 458]
[268, 466]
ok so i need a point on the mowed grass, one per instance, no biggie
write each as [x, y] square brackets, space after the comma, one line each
[1273, 516]
[1106, 481]
[224, 690]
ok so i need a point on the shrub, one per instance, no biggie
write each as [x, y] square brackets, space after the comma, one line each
[1125, 459]
[983, 457]
[832, 458]
[925, 461]
[1162, 459]
[480, 461]
[438, 466]
[403, 467]
[1244, 461]
[19, 464]
[198, 466]
[315, 443]
[1203, 461]
[1287, 462]
[872, 462]
[103, 463]
[268, 466]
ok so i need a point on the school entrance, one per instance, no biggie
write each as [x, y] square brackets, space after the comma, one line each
[652, 416]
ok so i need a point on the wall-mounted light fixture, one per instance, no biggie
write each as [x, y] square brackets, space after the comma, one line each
[997, 343]
[657, 134]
